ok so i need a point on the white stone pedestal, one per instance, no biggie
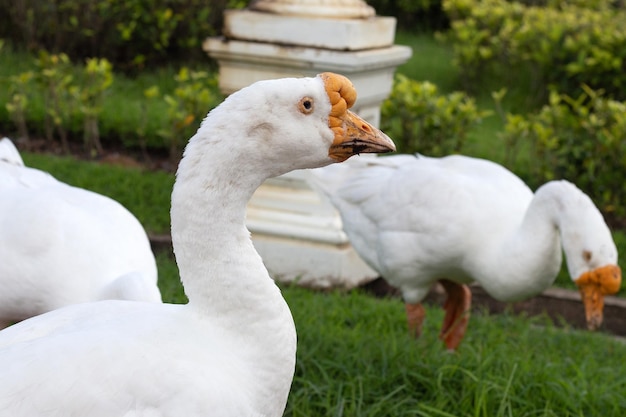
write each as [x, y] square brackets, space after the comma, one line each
[371, 71]
[300, 238]
[297, 232]
[327, 33]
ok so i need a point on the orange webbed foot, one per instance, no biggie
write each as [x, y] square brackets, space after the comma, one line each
[457, 306]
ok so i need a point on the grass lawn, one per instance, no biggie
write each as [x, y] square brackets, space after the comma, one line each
[355, 358]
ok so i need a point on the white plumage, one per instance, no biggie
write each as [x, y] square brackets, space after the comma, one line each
[231, 350]
[9, 153]
[62, 245]
[417, 220]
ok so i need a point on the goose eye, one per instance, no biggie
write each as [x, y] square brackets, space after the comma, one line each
[306, 105]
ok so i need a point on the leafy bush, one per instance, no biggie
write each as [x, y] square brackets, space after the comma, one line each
[57, 84]
[194, 94]
[131, 34]
[419, 119]
[70, 94]
[97, 78]
[61, 100]
[580, 139]
[19, 100]
[538, 47]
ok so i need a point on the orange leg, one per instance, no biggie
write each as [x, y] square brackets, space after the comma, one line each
[457, 308]
[415, 314]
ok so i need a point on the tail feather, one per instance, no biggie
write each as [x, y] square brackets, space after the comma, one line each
[9, 153]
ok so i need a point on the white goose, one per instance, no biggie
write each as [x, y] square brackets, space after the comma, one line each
[9, 153]
[62, 245]
[417, 220]
[231, 350]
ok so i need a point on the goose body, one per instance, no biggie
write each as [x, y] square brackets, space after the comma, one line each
[9, 153]
[62, 245]
[231, 350]
[417, 220]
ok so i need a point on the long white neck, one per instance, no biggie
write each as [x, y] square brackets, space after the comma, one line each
[215, 255]
[223, 275]
[528, 261]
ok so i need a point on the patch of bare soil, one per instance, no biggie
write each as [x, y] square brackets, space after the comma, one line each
[112, 155]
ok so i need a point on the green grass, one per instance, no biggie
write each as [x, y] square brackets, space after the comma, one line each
[355, 358]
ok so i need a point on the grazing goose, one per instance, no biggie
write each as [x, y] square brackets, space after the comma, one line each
[417, 220]
[62, 245]
[231, 350]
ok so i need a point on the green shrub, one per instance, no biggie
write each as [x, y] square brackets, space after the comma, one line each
[57, 85]
[580, 139]
[70, 102]
[538, 47]
[186, 107]
[420, 119]
[19, 92]
[72, 96]
[132, 34]
[97, 77]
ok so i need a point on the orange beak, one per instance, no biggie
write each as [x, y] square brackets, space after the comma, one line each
[593, 286]
[353, 135]
[358, 136]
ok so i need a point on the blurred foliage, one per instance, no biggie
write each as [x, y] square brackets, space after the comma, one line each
[97, 78]
[577, 138]
[71, 94]
[131, 34]
[57, 83]
[186, 106]
[19, 90]
[72, 98]
[561, 45]
[417, 117]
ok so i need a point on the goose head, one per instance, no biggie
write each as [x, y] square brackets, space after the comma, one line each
[262, 131]
[286, 124]
[596, 274]
[591, 256]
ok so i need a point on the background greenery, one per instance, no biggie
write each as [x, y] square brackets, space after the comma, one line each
[134, 35]
[536, 85]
